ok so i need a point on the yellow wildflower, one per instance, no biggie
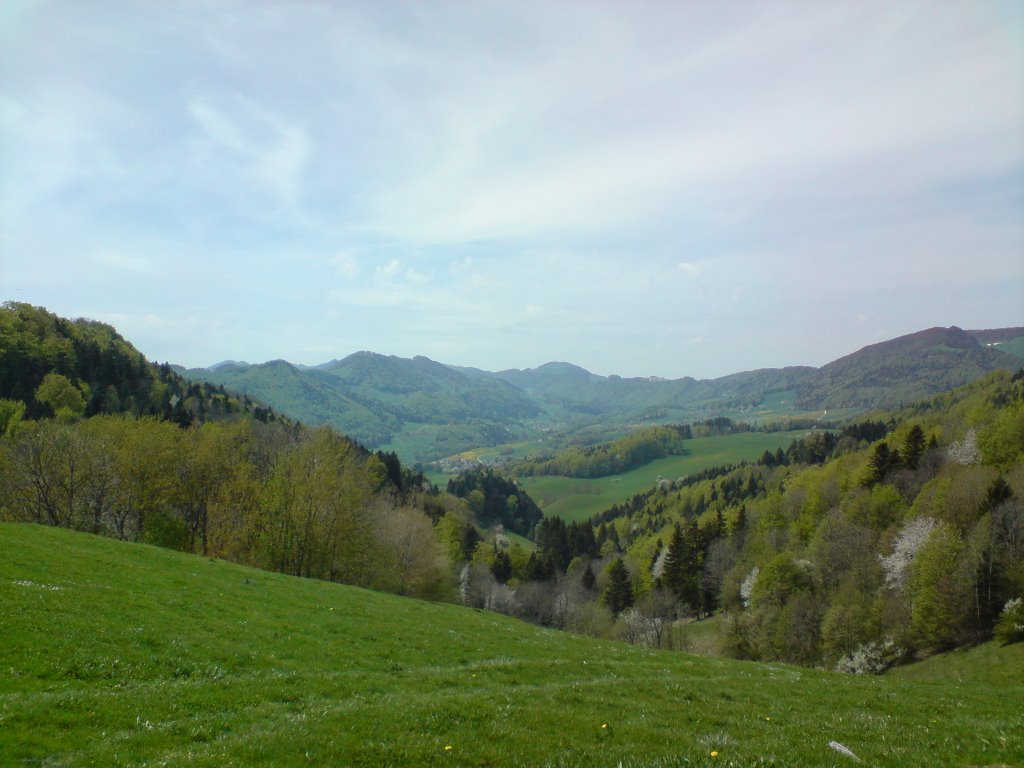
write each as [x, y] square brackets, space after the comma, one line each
[714, 753]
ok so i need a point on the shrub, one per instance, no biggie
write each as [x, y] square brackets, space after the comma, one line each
[1010, 625]
[871, 658]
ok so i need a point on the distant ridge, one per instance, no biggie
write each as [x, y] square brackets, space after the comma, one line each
[445, 409]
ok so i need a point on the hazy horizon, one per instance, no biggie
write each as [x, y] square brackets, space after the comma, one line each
[658, 190]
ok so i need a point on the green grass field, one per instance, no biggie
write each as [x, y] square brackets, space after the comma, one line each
[1013, 346]
[989, 663]
[116, 654]
[578, 499]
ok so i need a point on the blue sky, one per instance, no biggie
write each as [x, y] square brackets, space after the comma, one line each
[645, 189]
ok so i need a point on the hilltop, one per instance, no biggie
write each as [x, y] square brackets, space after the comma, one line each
[124, 654]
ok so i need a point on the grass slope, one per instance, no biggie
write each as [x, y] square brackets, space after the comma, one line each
[578, 499]
[118, 654]
[989, 663]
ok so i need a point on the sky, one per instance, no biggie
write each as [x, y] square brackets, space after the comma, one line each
[641, 188]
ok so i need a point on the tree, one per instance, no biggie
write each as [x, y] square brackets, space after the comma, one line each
[657, 610]
[913, 447]
[410, 558]
[883, 460]
[62, 397]
[682, 565]
[618, 592]
[11, 413]
[939, 593]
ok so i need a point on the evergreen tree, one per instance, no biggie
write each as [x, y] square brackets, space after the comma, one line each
[501, 568]
[913, 447]
[618, 594]
[589, 580]
[883, 460]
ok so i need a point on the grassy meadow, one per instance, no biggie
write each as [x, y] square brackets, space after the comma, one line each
[121, 654]
[578, 499]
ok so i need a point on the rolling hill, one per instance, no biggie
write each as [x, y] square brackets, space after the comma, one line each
[373, 397]
[426, 410]
[123, 654]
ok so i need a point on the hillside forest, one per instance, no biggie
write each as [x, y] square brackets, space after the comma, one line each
[860, 546]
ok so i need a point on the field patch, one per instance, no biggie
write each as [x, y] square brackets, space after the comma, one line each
[578, 499]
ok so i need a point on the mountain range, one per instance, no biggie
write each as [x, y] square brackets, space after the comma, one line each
[425, 409]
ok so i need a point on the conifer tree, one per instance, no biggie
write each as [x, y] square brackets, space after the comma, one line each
[618, 593]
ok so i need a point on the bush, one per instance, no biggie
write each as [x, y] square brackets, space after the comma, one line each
[870, 658]
[1010, 625]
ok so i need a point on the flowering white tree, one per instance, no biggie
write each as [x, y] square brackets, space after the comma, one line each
[905, 549]
[747, 587]
[965, 451]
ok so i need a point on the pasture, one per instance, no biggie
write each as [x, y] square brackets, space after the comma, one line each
[121, 654]
[578, 499]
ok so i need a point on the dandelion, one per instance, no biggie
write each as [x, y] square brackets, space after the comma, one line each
[714, 753]
[447, 747]
[604, 725]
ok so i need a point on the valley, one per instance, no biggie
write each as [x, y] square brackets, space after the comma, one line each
[580, 567]
[426, 411]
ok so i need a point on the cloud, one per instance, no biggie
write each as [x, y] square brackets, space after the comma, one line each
[345, 264]
[568, 180]
[248, 138]
[129, 263]
[388, 271]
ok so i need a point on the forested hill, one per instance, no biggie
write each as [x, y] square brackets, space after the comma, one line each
[84, 368]
[882, 375]
[373, 397]
[906, 369]
[856, 548]
[385, 400]
[95, 438]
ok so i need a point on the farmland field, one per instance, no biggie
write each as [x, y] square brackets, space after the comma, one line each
[577, 499]
[121, 654]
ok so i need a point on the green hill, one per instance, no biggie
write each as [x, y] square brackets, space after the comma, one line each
[99, 372]
[374, 398]
[425, 410]
[903, 370]
[119, 654]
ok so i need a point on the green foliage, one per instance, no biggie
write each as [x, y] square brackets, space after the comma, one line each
[618, 591]
[939, 595]
[824, 567]
[296, 500]
[11, 413]
[60, 396]
[780, 579]
[81, 367]
[489, 495]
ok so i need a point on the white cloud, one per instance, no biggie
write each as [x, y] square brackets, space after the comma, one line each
[271, 150]
[346, 264]
[128, 262]
[538, 179]
[388, 271]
